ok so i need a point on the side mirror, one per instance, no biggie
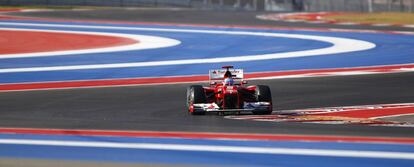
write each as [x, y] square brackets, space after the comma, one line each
[244, 82]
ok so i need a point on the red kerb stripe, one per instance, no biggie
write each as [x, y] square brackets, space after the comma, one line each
[200, 135]
[179, 79]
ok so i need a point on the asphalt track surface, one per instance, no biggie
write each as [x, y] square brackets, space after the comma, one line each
[188, 16]
[162, 107]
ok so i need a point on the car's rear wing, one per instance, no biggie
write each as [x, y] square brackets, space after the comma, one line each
[219, 74]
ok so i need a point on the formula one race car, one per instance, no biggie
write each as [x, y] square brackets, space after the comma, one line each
[227, 93]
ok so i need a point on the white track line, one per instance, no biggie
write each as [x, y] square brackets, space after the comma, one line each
[145, 42]
[409, 26]
[381, 25]
[340, 45]
[346, 23]
[407, 69]
[229, 149]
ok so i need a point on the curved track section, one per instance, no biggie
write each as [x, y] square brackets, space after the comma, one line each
[288, 59]
[295, 50]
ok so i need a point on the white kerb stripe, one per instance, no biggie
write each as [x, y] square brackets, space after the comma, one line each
[143, 42]
[233, 149]
[339, 45]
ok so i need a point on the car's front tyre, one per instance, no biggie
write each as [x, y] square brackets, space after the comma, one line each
[263, 94]
[195, 94]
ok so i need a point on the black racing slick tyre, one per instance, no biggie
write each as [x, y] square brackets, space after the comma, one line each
[195, 94]
[263, 94]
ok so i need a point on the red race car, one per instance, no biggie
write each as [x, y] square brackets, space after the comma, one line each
[228, 93]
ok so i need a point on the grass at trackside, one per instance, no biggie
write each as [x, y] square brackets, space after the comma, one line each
[376, 18]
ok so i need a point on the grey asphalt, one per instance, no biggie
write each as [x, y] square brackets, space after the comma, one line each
[188, 16]
[162, 107]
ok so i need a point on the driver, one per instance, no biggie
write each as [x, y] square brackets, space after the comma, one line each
[228, 79]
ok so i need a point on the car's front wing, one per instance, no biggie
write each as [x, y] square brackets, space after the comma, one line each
[247, 107]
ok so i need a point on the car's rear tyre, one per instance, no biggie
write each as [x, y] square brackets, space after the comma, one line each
[195, 94]
[263, 94]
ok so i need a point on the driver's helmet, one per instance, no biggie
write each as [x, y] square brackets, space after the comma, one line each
[228, 81]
